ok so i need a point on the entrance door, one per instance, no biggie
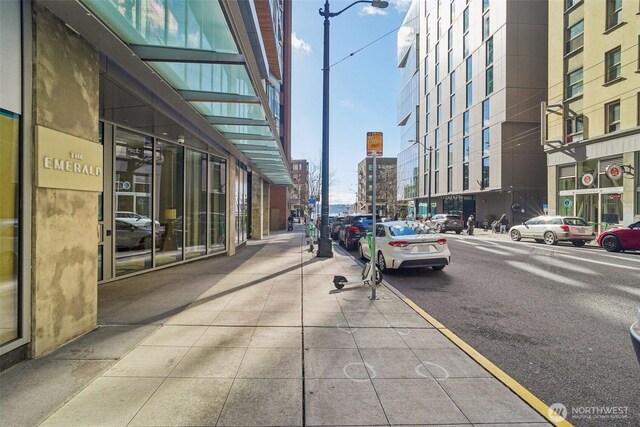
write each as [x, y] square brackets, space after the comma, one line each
[105, 206]
[587, 207]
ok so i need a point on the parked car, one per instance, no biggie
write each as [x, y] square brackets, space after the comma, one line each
[446, 222]
[129, 236]
[335, 227]
[634, 331]
[353, 227]
[407, 244]
[554, 229]
[134, 219]
[621, 239]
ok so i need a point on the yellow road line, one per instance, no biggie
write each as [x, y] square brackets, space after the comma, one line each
[498, 373]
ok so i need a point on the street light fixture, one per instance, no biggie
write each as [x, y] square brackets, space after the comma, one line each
[429, 149]
[324, 245]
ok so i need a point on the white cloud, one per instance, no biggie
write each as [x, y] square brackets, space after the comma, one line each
[370, 10]
[347, 103]
[299, 44]
[402, 5]
[406, 36]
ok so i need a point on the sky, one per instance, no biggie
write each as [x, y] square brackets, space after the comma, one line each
[363, 88]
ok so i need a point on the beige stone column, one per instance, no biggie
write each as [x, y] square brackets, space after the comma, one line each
[266, 202]
[257, 208]
[64, 222]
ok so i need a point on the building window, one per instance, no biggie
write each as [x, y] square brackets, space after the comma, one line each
[450, 131]
[465, 123]
[452, 106]
[614, 7]
[438, 114]
[469, 69]
[575, 36]
[613, 66]
[465, 45]
[450, 155]
[486, 143]
[465, 20]
[485, 172]
[612, 111]
[570, 3]
[428, 101]
[452, 11]
[452, 82]
[485, 26]
[426, 123]
[469, 94]
[436, 182]
[439, 93]
[566, 178]
[485, 5]
[450, 38]
[449, 180]
[465, 149]
[574, 83]
[489, 81]
[465, 176]
[437, 72]
[449, 61]
[486, 112]
[575, 129]
[489, 51]
[436, 137]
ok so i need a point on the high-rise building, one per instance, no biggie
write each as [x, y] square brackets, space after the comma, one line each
[480, 85]
[592, 129]
[134, 135]
[386, 186]
[300, 190]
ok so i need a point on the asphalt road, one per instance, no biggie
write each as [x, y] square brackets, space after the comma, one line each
[555, 318]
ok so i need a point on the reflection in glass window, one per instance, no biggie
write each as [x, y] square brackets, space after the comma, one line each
[196, 204]
[485, 172]
[9, 224]
[217, 203]
[133, 202]
[169, 197]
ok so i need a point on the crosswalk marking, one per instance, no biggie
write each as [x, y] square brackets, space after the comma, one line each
[546, 274]
[561, 264]
[629, 289]
[607, 263]
[494, 251]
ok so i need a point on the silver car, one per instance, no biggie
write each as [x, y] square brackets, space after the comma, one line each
[554, 229]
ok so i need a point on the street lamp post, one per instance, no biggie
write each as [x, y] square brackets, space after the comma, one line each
[324, 245]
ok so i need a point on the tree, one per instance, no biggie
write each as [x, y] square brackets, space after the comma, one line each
[387, 190]
[315, 181]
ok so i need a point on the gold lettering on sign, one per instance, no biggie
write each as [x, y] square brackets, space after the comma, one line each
[70, 166]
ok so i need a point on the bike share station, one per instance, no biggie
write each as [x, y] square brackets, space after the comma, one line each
[370, 276]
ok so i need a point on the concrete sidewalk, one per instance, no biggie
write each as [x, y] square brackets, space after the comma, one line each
[258, 339]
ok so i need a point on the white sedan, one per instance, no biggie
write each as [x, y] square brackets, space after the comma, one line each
[407, 244]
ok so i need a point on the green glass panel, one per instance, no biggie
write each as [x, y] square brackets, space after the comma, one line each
[251, 130]
[230, 109]
[222, 78]
[193, 24]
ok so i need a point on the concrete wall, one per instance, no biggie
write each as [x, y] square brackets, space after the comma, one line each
[265, 208]
[65, 222]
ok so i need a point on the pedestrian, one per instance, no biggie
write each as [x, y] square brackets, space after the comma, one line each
[471, 224]
[504, 222]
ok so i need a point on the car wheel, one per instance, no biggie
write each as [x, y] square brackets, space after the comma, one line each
[458, 231]
[578, 243]
[539, 240]
[611, 244]
[361, 252]
[515, 235]
[437, 267]
[382, 265]
[146, 242]
[550, 238]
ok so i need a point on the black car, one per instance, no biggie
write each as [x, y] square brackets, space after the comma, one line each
[353, 227]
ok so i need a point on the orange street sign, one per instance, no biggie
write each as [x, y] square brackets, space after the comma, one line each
[374, 144]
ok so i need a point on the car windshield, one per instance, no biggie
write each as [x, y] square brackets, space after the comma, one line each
[453, 217]
[409, 228]
[575, 221]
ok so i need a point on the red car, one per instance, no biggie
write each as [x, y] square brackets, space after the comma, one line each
[621, 239]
